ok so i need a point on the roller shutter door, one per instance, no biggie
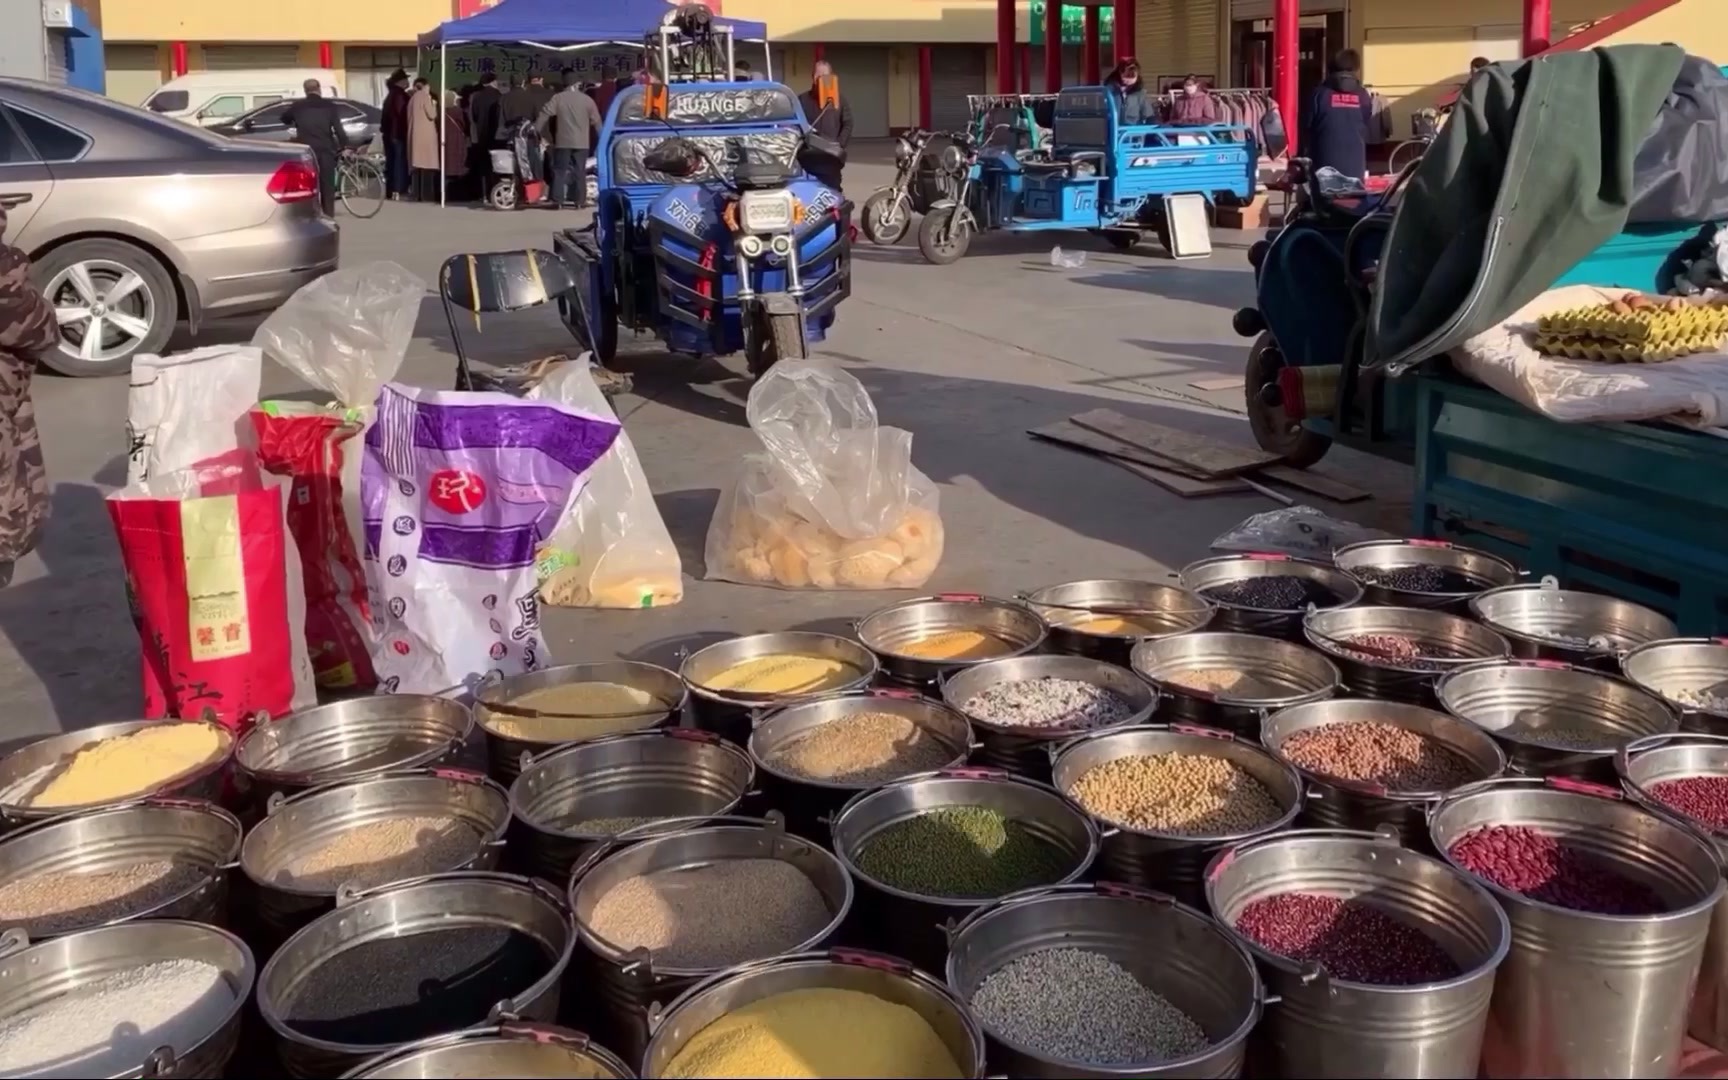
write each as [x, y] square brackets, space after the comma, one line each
[54, 57]
[955, 71]
[134, 72]
[1175, 37]
[250, 57]
[863, 71]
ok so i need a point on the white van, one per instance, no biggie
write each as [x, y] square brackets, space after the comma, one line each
[207, 98]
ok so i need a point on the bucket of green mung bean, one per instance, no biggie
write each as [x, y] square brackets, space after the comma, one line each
[930, 849]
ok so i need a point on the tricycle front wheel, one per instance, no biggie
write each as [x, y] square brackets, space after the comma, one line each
[886, 218]
[1275, 432]
[943, 238]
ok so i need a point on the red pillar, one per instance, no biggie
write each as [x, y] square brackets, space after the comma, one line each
[1286, 28]
[1025, 69]
[177, 52]
[325, 55]
[1052, 46]
[924, 86]
[1089, 49]
[1124, 32]
[1538, 20]
[1005, 46]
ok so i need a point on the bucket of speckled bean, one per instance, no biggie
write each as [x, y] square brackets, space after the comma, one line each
[1380, 961]
[1374, 763]
[112, 764]
[822, 1015]
[1422, 573]
[1023, 707]
[1268, 593]
[931, 849]
[733, 682]
[1232, 681]
[1167, 797]
[1105, 980]
[1104, 617]
[1690, 674]
[507, 1051]
[1397, 654]
[1610, 907]
[919, 640]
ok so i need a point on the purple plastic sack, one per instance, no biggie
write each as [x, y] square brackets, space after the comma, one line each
[459, 491]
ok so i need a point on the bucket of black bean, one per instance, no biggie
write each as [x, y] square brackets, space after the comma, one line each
[1542, 621]
[733, 682]
[1166, 798]
[535, 712]
[918, 640]
[1423, 573]
[660, 914]
[1105, 980]
[1022, 707]
[572, 800]
[1374, 763]
[842, 1013]
[813, 757]
[1233, 681]
[1380, 961]
[1610, 907]
[348, 740]
[1396, 654]
[1690, 674]
[1104, 617]
[508, 1051]
[411, 960]
[928, 850]
[1554, 718]
[1267, 593]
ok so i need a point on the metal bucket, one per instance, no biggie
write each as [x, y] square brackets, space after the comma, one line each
[1514, 699]
[516, 1051]
[810, 804]
[405, 909]
[730, 713]
[295, 827]
[22, 771]
[669, 773]
[1276, 622]
[504, 752]
[1319, 1027]
[891, 632]
[1526, 615]
[1283, 675]
[1479, 567]
[916, 926]
[885, 977]
[1585, 995]
[348, 740]
[1174, 951]
[1673, 669]
[1159, 611]
[1341, 804]
[628, 983]
[32, 976]
[1457, 640]
[1026, 750]
[187, 832]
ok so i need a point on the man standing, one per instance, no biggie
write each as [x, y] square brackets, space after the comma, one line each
[394, 129]
[317, 125]
[606, 90]
[1339, 115]
[485, 128]
[830, 115]
[573, 118]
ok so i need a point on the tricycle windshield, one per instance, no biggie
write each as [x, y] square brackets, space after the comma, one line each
[756, 127]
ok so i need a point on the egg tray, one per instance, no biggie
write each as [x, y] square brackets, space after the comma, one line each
[1609, 351]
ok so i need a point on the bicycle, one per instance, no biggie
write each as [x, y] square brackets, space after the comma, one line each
[359, 184]
[1408, 153]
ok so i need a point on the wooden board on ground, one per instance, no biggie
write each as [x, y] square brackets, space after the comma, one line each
[1180, 450]
[1218, 382]
[1071, 434]
[1087, 442]
[1323, 486]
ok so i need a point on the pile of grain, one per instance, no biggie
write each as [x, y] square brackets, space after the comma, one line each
[714, 915]
[56, 902]
[577, 711]
[864, 748]
[956, 645]
[121, 767]
[378, 852]
[784, 673]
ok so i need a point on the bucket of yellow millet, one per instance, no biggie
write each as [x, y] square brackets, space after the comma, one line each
[835, 1014]
[734, 682]
[918, 641]
[112, 764]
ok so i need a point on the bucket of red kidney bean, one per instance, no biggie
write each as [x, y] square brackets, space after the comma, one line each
[1610, 906]
[1381, 960]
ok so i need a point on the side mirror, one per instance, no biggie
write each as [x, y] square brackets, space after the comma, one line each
[247, 125]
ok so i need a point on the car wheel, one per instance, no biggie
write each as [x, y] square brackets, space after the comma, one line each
[113, 301]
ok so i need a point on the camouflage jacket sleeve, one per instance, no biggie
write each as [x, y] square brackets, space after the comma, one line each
[27, 322]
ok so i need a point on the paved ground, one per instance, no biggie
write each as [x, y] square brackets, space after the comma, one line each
[967, 357]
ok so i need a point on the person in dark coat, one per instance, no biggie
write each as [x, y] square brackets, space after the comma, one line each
[1132, 103]
[1339, 115]
[833, 121]
[317, 124]
[28, 327]
[393, 127]
[485, 128]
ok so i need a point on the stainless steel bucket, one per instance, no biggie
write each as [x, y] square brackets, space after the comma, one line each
[33, 975]
[731, 713]
[1452, 639]
[512, 1050]
[915, 926]
[188, 832]
[1539, 618]
[348, 740]
[1173, 950]
[1517, 700]
[1026, 750]
[504, 752]
[1585, 995]
[891, 632]
[405, 909]
[23, 771]
[295, 827]
[810, 804]
[1319, 1027]
[885, 977]
[627, 982]
[1171, 862]
[1674, 670]
[1072, 609]
[669, 773]
[1280, 674]
[1485, 571]
[1341, 804]
[1220, 570]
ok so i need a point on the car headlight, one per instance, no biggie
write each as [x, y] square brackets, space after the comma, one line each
[767, 212]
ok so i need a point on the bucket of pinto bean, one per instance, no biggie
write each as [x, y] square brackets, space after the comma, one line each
[1609, 904]
[1396, 654]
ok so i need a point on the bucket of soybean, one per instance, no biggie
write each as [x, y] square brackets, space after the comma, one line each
[928, 850]
[508, 1051]
[112, 764]
[732, 682]
[537, 711]
[917, 641]
[821, 1015]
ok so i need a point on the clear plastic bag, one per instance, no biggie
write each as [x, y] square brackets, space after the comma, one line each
[1301, 531]
[347, 332]
[834, 502]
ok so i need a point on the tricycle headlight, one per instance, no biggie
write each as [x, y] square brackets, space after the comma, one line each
[767, 212]
[902, 151]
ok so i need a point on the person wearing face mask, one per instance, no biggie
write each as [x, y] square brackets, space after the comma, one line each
[1194, 105]
[1131, 100]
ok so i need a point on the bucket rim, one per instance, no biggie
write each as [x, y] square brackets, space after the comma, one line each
[1029, 649]
[515, 792]
[867, 672]
[1512, 572]
[1520, 664]
[1052, 734]
[1207, 610]
[1313, 777]
[577, 1041]
[878, 693]
[203, 772]
[1663, 643]
[1322, 641]
[1670, 740]
[1348, 598]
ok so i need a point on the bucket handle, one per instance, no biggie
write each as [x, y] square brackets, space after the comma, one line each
[1385, 834]
[654, 830]
[13, 940]
[161, 1062]
[545, 1034]
[868, 959]
[1583, 787]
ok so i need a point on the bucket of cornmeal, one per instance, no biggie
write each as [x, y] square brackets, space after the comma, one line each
[734, 682]
[918, 641]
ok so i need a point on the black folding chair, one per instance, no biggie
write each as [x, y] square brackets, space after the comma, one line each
[495, 282]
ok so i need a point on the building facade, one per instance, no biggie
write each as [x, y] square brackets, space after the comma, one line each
[56, 40]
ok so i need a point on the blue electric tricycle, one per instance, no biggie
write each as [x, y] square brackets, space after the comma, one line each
[1094, 173]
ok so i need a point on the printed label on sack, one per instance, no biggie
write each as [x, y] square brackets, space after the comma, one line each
[218, 624]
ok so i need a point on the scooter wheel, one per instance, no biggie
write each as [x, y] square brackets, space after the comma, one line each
[885, 219]
[939, 241]
[502, 196]
[1275, 432]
